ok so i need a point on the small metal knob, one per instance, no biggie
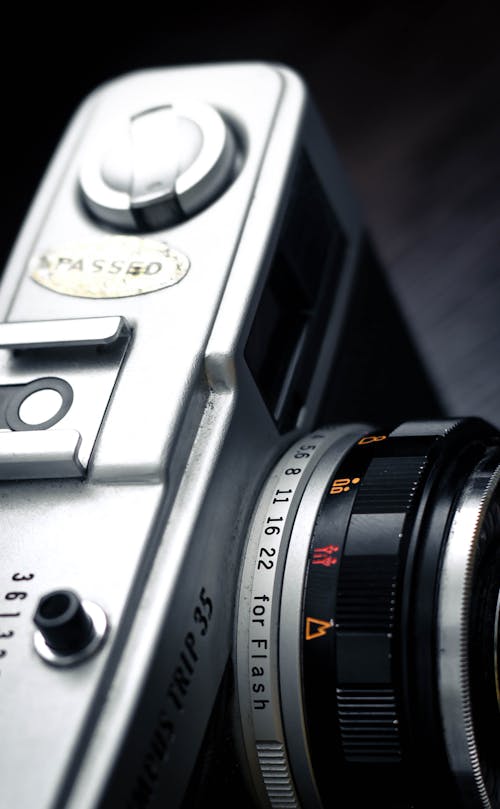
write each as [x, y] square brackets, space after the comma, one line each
[159, 166]
[68, 629]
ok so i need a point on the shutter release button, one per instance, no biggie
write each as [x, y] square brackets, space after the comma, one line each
[159, 166]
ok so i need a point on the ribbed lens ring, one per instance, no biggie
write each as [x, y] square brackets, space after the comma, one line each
[468, 662]
[356, 618]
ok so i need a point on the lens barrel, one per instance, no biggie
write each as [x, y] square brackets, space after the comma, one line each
[379, 620]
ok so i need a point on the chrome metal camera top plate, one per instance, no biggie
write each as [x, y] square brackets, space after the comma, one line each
[172, 327]
[80, 361]
[171, 428]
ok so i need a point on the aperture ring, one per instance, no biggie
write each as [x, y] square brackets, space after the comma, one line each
[367, 602]
[258, 626]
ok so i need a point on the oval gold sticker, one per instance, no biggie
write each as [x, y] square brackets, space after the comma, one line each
[112, 267]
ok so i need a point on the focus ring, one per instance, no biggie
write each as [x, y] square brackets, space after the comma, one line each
[369, 724]
[367, 592]
[390, 484]
[366, 608]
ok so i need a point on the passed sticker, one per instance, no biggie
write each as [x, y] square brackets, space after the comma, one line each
[112, 267]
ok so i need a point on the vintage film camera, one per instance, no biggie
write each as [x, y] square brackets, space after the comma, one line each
[208, 596]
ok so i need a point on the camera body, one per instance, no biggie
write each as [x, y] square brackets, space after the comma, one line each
[170, 325]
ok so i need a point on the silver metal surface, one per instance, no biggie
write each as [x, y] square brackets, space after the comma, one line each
[100, 629]
[62, 533]
[180, 154]
[175, 440]
[36, 454]
[164, 143]
[75, 333]
[86, 354]
[453, 631]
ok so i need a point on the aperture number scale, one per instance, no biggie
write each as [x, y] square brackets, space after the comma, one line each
[274, 524]
[279, 505]
[10, 609]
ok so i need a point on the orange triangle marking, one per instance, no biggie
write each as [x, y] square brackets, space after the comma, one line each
[316, 628]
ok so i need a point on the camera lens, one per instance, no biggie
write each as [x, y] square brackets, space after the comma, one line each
[368, 625]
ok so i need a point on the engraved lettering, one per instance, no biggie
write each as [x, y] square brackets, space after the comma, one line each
[260, 704]
[181, 681]
[174, 697]
[151, 766]
[261, 643]
[160, 743]
[190, 643]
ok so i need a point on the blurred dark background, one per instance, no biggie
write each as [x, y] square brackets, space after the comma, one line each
[411, 95]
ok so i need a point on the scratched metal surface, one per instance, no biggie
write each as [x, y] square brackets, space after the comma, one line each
[412, 99]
